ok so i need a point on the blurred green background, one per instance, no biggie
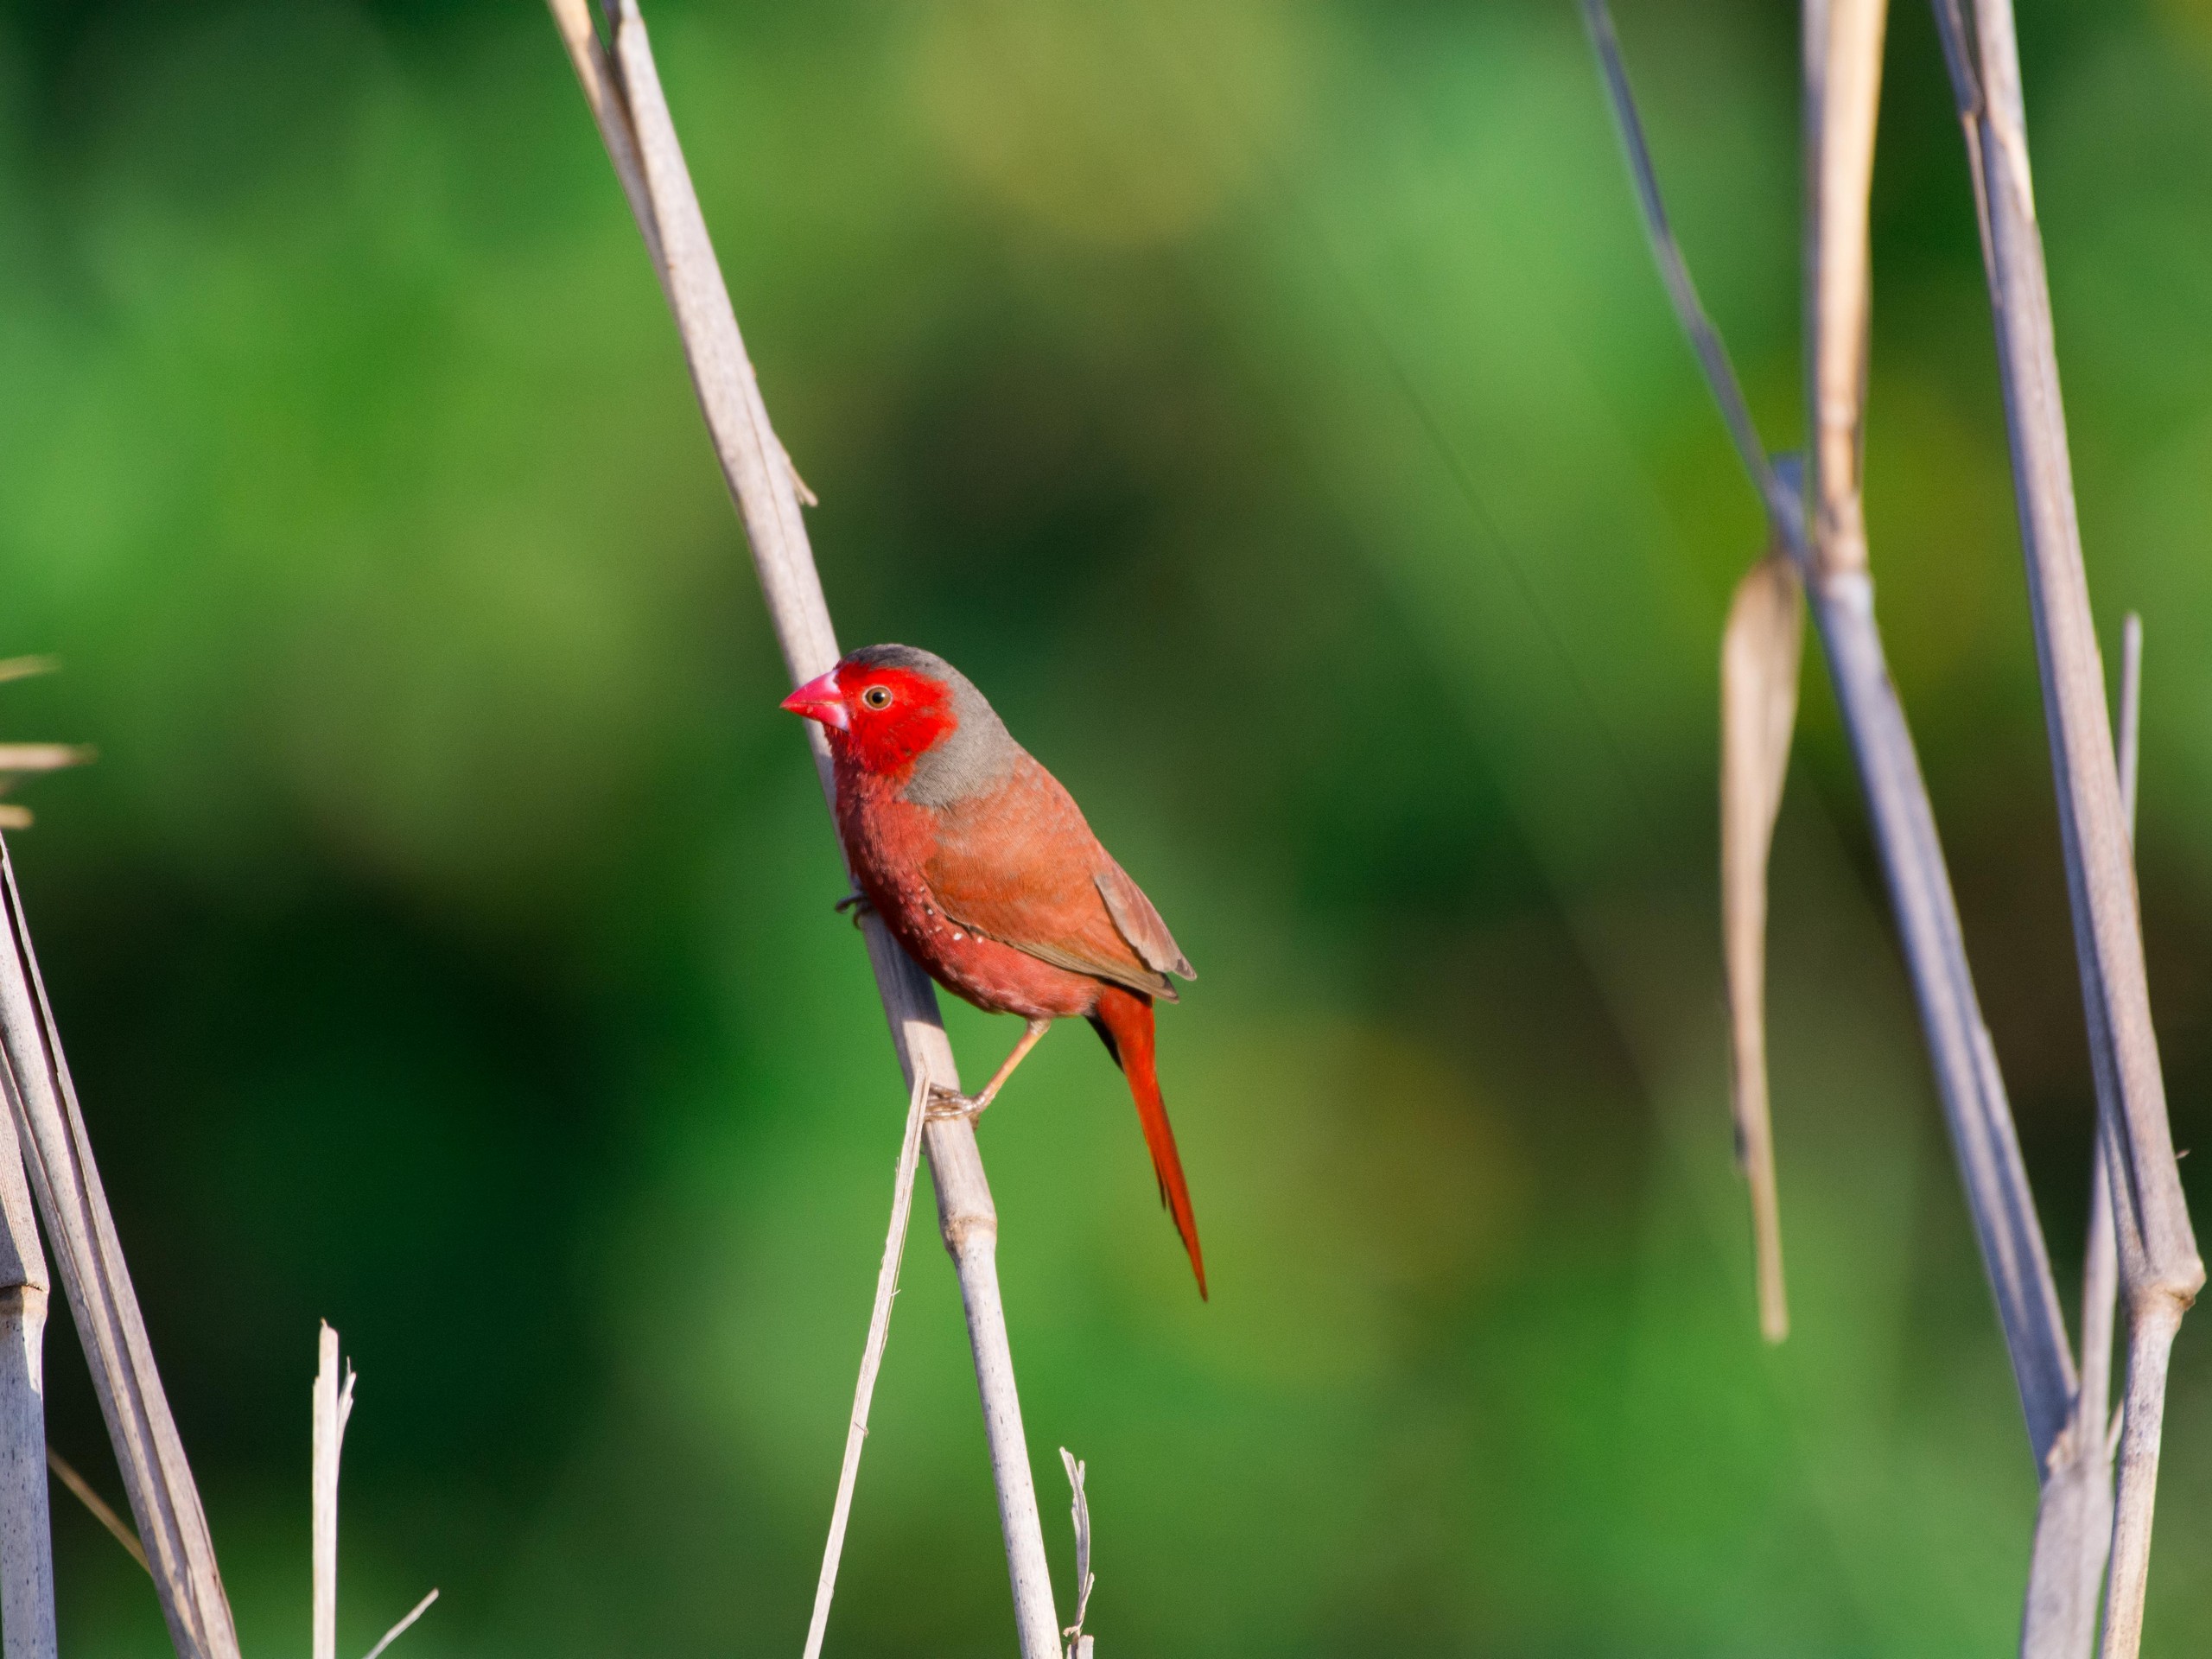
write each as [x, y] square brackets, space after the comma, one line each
[1271, 405]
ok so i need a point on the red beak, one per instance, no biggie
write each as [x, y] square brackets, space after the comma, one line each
[819, 699]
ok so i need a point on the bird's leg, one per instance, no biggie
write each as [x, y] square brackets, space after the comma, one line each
[945, 1103]
[856, 901]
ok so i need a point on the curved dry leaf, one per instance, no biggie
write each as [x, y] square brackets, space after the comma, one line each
[1759, 656]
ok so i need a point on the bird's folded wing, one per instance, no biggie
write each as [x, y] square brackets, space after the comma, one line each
[1140, 922]
[1021, 866]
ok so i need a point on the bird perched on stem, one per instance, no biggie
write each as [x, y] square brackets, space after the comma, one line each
[982, 866]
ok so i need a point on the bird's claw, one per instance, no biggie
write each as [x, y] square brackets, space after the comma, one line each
[855, 902]
[949, 1105]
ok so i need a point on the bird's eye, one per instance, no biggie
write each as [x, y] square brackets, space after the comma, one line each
[877, 696]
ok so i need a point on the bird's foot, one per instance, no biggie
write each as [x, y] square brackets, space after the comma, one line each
[855, 902]
[946, 1105]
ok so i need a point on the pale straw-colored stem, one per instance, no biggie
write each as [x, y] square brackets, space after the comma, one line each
[1843, 40]
[26, 1525]
[57, 1152]
[333, 1404]
[878, 1331]
[624, 89]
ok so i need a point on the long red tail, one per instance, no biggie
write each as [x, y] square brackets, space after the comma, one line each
[1124, 1020]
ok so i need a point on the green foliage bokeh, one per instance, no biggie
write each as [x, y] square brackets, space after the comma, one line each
[1271, 405]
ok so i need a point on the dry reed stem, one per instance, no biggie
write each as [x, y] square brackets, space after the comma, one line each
[1843, 83]
[333, 1404]
[26, 1524]
[172, 1527]
[1972, 1091]
[1759, 656]
[878, 1331]
[2100, 1259]
[2074, 1515]
[1843, 43]
[623, 88]
[2159, 1266]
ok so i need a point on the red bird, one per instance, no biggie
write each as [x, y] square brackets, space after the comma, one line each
[982, 867]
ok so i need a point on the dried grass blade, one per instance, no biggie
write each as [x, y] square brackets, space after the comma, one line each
[97, 1508]
[1759, 658]
[879, 1333]
[404, 1626]
[43, 757]
[1673, 270]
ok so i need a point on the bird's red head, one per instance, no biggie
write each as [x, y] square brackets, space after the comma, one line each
[903, 715]
[882, 707]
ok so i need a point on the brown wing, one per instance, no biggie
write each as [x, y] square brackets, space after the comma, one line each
[1020, 865]
[1140, 922]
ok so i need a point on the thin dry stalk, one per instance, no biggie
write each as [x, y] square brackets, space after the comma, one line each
[97, 1508]
[879, 1332]
[26, 1525]
[2099, 1261]
[623, 88]
[1843, 69]
[1759, 654]
[2159, 1266]
[333, 1404]
[402, 1627]
[1782, 508]
[172, 1527]
[2073, 1518]
[1843, 44]
[1972, 1092]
